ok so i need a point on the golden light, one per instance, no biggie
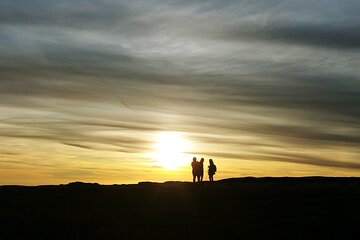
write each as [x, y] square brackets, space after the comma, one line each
[170, 151]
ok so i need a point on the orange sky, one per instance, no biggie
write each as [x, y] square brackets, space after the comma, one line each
[36, 162]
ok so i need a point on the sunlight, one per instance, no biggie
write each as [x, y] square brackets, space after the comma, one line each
[170, 151]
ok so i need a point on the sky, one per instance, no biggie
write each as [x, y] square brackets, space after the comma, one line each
[264, 88]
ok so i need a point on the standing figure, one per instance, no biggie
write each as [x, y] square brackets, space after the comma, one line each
[212, 170]
[201, 170]
[194, 166]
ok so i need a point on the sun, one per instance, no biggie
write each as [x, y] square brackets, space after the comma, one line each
[170, 151]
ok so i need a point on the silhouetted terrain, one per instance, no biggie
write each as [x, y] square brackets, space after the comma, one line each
[244, 208]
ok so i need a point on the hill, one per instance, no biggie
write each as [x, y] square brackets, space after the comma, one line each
[247, 208]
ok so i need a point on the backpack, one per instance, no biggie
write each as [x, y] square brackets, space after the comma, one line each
[215, 169]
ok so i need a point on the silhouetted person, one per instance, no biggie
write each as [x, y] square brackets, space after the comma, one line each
[201, 170]
[212, 170]
[194, 166]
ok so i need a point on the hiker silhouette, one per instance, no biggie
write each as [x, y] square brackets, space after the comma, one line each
[211, 170]
[200, 170]
[197, 169]
[194, 166]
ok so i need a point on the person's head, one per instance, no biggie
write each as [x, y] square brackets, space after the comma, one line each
[211, 161]
[194, 159]
[202, 160]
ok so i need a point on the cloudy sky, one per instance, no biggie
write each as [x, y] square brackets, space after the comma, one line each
[265, 88]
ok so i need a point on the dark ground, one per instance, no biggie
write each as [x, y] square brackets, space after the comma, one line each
[245, 208]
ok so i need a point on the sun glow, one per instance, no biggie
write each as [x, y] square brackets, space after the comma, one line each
[170, 151]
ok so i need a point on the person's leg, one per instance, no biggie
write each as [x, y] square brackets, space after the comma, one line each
[201, 177]
[194, 177]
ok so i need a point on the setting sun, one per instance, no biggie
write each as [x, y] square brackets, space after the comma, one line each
[170, 151]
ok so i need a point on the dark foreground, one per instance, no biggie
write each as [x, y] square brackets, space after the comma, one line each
[247, 208]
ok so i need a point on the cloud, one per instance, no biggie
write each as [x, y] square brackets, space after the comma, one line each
[108, 75]
[322, 36]
[92, 136]
[289, 158]
[67, 13]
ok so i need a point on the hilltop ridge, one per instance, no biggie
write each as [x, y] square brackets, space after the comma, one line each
[247, 208]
